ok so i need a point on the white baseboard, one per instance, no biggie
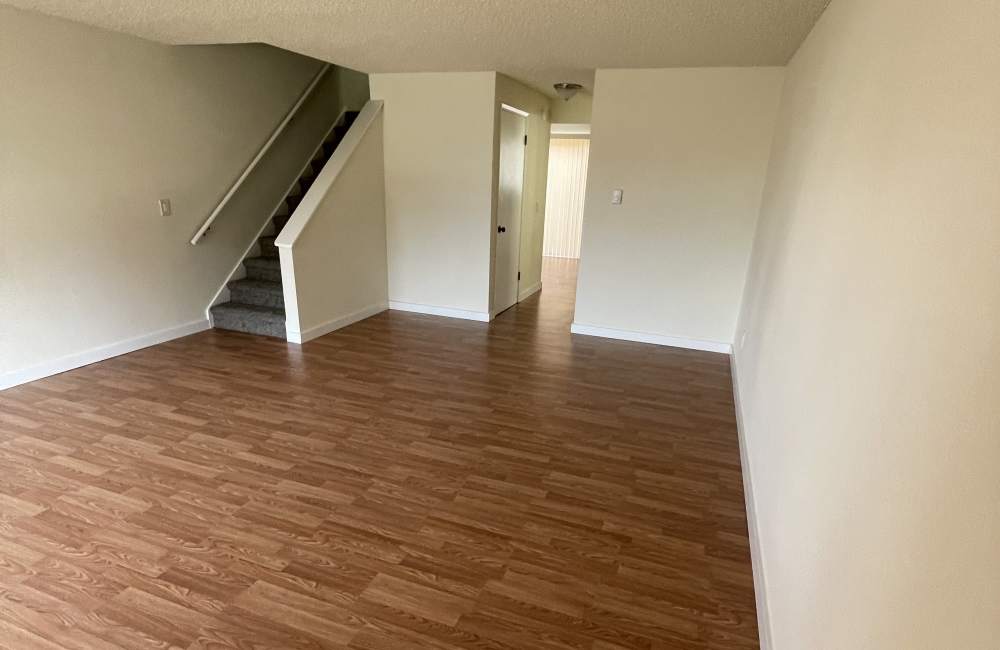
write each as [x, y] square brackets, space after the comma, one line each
[655, 339]
[756, 558]
[530, 291]
[335, 324]
[440, 311]
[87, 357]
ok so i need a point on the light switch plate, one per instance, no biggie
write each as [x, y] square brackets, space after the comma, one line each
[165, 207]
[616, 197]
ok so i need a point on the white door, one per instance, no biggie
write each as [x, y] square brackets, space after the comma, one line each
[508, 241]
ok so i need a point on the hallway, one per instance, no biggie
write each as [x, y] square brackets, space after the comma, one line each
[408, 481]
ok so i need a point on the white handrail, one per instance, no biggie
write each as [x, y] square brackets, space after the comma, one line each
[260, 154]
[328, 175]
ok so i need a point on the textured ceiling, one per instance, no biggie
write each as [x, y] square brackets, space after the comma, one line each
[539, 42]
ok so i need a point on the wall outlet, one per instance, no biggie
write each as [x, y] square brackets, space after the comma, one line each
[165, 210]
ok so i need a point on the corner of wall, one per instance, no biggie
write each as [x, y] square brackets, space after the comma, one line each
[753, 529]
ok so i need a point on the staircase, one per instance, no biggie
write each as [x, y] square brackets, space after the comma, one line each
[256, 304]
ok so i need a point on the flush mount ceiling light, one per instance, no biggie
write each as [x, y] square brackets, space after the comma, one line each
[567, 90]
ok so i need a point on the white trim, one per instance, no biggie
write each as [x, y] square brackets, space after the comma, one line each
[570, 130]
[335, 324]
[222, 295]
[529, 291]
[655, 339]
[440, 311]
[328, 175]
[260, 154]
[87, 357]
[290, 291]
[756, 555]
[508, 107]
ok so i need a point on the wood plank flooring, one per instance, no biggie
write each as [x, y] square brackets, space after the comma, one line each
[407, 482]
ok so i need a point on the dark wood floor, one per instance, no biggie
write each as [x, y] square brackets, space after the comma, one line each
[407, 482]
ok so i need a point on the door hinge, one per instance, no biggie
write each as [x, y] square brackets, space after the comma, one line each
[526, 141]
[518, 275]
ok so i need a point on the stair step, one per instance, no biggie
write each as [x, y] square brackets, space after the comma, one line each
[252, 319]
[257, 305]
[263, 268]
[267, 247]
[257, 292]
[280, 221]
[337, 134]
[319, 165]
[329, 147]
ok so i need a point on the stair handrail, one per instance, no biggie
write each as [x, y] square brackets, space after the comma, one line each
[260, 154]
[328, 175]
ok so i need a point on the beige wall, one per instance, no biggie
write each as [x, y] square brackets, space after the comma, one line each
[352, 86]
[333, 257]
[97, 126]
[438, 180]
[575, 111]
[536, 162]
[870, 378]
[689, 147]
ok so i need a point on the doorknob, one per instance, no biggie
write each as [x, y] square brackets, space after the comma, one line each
[501, 229]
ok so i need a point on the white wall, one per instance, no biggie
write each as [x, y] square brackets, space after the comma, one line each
[96, 126]
[870, 380]
[566, 193]
[536, 163]
[441, 174]
[438, 183]
[333, 259]
[689, 147]
[575, 111]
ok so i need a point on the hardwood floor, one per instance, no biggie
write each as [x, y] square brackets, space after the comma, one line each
[407, 482]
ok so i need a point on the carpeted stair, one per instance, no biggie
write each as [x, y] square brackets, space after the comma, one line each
[257, 302]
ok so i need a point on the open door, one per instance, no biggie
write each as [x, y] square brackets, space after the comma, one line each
[508, 242]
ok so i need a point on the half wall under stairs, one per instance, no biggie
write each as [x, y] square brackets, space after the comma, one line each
[256, 301]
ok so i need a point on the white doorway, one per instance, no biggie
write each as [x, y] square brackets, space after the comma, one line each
[565, 192]
[513, 128]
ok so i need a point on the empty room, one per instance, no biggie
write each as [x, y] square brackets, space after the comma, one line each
[507, 325]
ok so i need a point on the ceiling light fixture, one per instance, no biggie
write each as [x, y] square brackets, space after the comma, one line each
[567, 90]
